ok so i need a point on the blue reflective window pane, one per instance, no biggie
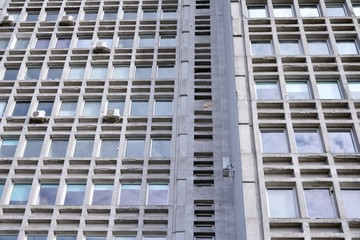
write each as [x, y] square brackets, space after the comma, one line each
[11, 73]
[33, 147]
[20, 194]
[8, 147]
[47, 194]
[42, 43]
[21, 108]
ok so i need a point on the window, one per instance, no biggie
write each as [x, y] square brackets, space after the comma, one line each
[167, 41]
[169, 14]
[2, 107]
[110, 15]
[84, 42]
[68, 108]
[257, 11]
[91, 108]
[341, 141]
[166, 72]
[4, 42]
[45, 106]
[347, 47]
[33, 147]
[290, 48]
[47, 194]
[134, 148]
[116, 104]
[130, 15]
[11, 73]
[54, 73]
[319, 203]
[356, 8]
[160, 148]
[51, 15]
[42, 43]
[102, 194]
[149, 14]
[298, 90]
[354, 87]
[126, 42]
[283, 11]
[22, 43]
[77, 73]
[282, 203]
[32, 16]
[351, 198]
[143, 72]
[20, 194]
[154, 238]
[36, 237]
[58, 147]
[147, 41]
[335, 10]
[157, 194]
[63, 42]
[329, 90]
[163, 108]
[75, 194]
[107, 40]
[8, 147]
[32, 73]
[8, 237]
[95, 238]
[125, 238]
[139, 108]
[99, 72]
[15, 14]
[308, 141]
[109, 148]
[261, 48]
[90, 15]
[309, 10]
[84, 147]
[267, 90]
[274, 141]
[318, 47]
[2, 185]
[21, 108]
[130, 194]
[73, 13]
[65, 237]
[121, 72]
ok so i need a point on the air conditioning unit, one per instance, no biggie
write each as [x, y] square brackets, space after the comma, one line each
[112, 115]
[67, 21]
[101, 47]
[38, 116]
[8, 21]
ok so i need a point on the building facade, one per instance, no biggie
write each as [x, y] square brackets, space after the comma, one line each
[179, 119]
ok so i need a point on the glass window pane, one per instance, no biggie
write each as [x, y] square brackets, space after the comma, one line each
[166, 72]
[84, 42]
[4, 42]
[354, 89]
[274, 141]
[77, 73]
[11, 73]
[134, 148]
[356, 8]
[75, 194]
[121, 72]
[58, 148]
[109, 148]
[257, 12]
[54, 73]
[90, 16]
[32, 16]
[33, 147]
[351, 200]
[309, 11]
[95, 238]
[91, 109]
[2, 185]
[308, 141]
[46, 106]
[102, 194]
[32, 73]
[51, 15]
[68, 108]
[157, 238]
[335, 10]
[36, 237]
[21, 108]
[116, 104]
[346, 47]
[20, 194]
[130, 194]
[130, 15]
[259, 48]
[99, 72]
[72, 13]
[63, 43]
[84, 147]
[298, 90]
[267, 90]
[125, 238]
[290, 48]
[8, 237]
[167, 41]
[319, 203]
[65, 237]
[282, 203]
[341, 142]
[143, 72]
[163, 108]
[47, 194]
[147, 41]
[157, 194]
[139, 108]
[2, 107]
[22, 43]
[319, 47]
[42, 43]
[126, 42]
[8, 147]
[15, 14]
[169, 14]
[329, 90]
[160, 148]
[283, 11]
[149, 14]
[110, 15]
